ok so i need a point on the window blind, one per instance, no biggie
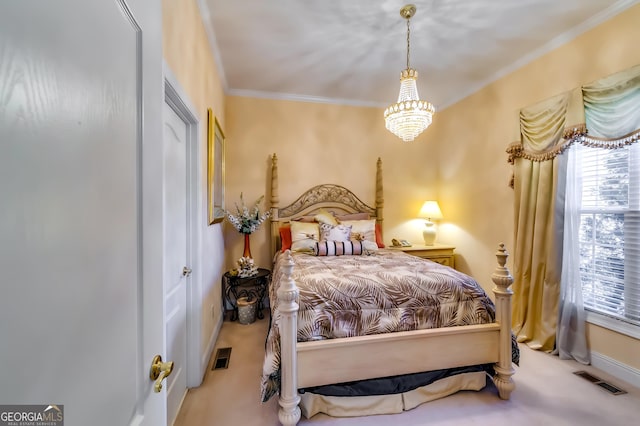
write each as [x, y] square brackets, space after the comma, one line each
[610, 232]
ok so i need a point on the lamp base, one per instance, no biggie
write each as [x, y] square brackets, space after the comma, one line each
[429, 233]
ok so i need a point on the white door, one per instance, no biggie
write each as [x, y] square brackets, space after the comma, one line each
[81, 305]
[177, 271]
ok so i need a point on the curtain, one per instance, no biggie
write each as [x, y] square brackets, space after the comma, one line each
[536, 255]
[539, 171]
[571, 339]
[547, 312]
[612, 110]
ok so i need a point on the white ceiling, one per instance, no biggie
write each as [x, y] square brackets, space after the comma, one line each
[352, 51]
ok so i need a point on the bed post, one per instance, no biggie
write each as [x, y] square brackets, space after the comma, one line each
[379, 194]
[275, 202]
[504, 367]
[289, 413]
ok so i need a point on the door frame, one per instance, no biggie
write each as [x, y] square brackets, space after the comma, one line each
[178, 100]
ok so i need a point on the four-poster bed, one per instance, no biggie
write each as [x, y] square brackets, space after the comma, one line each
[324, 361]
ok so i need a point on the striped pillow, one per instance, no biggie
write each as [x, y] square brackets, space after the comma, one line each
[338, 248]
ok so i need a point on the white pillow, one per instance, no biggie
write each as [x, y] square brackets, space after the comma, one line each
[362, 230]
[304, 246]
[334, 233]
[369, 246]
[304, 236]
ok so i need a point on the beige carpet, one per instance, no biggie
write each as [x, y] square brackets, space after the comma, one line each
[547, 393]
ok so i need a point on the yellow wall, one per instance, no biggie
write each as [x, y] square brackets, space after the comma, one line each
[470, 139]
[321, 143]
[187, 51]
[189, 56]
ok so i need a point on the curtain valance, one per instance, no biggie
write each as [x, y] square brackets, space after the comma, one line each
[548, 127]
[551, 126]
[614, 105]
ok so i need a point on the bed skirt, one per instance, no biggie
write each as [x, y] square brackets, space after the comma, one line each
[356, 406]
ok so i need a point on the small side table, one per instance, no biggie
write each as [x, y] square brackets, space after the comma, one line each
[254, 287]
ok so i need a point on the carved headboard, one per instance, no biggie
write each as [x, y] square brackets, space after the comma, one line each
[335, 198]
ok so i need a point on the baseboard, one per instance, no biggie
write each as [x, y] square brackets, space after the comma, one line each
[616, 368]
[206, 356]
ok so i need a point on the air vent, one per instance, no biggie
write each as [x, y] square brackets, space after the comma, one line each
[599, 382]
[221, 361]
[587, 376]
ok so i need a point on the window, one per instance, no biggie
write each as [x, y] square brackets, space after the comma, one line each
[610, 231]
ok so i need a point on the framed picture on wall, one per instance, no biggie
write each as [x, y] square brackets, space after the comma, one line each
[215, 169]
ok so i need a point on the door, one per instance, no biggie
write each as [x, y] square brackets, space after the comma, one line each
[177, 268]
[80, 223]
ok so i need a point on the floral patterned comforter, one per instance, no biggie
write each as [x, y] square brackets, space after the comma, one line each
[387, 291]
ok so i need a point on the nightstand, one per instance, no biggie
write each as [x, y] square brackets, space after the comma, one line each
[440, 253]
[254, 288]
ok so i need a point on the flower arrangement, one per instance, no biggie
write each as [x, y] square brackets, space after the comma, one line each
[246, 220]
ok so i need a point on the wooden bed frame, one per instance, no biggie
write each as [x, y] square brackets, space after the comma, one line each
[382, 355]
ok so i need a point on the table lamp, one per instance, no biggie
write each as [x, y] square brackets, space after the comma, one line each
[430, 210]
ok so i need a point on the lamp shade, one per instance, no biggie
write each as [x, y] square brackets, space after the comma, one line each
[430, 210]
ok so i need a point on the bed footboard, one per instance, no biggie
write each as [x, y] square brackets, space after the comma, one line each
[477, 344]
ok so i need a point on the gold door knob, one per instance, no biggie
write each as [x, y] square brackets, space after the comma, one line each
[159, 371]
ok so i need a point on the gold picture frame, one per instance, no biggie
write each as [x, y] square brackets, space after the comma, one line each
[215, 168]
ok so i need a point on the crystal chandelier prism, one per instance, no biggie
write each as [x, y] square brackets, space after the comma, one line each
[409, 116]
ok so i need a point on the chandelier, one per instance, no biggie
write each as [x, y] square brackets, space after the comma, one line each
[409, 116]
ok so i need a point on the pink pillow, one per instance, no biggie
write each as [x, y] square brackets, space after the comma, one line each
[353, 216]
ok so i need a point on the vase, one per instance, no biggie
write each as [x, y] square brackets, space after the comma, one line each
[247, 246]
[429, 233]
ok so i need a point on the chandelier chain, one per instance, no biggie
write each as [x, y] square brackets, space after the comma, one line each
[408, 42]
